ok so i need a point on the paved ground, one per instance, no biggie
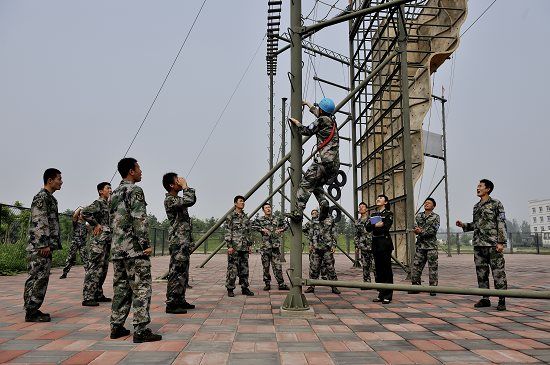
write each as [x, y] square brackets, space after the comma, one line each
[347, 329]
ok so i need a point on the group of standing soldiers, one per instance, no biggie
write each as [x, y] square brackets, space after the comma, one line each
[120, 230]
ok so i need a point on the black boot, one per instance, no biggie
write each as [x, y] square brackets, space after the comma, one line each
[63, 276]
[89, 303]
[103, 299]
[118, 332]
[230, 293]
[146, 335]
[501, 304]
[283, 286]
[37, 316]
[247, 292]
[310, 289]
[335, 290]
[175, 309]
[294, 216]
[483, 302]
[267, 286]
[187, 305]
[323, 212]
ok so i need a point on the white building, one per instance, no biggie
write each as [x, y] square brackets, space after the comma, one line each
[539, 215]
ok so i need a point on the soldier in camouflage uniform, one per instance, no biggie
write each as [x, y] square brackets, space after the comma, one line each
[308, 232]
[130, 256]
[323, 236]
[363, 242]
[44, 237]
[78, 244]
[489, 239]
[180, 240]
[271, 228]
[97, 215]
[237, 239]
[426, 227]
[326, 162]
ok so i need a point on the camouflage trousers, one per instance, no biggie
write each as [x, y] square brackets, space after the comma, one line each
[237, 265]
[37, 282]
[322, 258]
[419, 262]
[314, 178]
[485, 257]
[75, 248]
[132, 287]
[272, 256]
[98, 265]
[178, 275]
[367, 264]
[323, 268]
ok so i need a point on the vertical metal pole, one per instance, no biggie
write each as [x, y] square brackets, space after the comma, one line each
[271, 134]
[446, 176]
[353, 135]
[458, 243]
[283, 171]
[407, 146]
[295, 300]
[538, 242]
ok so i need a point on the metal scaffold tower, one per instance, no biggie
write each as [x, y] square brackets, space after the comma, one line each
[412, 40]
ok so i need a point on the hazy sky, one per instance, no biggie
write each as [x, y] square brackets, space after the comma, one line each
[77, 77]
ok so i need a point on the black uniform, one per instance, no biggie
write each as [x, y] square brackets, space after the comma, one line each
[382, 247]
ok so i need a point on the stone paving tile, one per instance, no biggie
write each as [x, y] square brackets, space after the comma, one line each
[541, 355]
[458, 357]
[346, 329]
[254, 358]
[149, 357]
[356, 358]
[34, 357]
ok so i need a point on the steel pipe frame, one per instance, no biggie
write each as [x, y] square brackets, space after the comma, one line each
[510, 293]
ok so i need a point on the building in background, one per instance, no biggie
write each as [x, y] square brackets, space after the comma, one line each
[539, 215]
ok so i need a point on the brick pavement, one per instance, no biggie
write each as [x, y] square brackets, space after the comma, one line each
[347, 329]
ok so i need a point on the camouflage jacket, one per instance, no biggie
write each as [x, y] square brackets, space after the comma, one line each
[271, 223]
[180, 221]
[128, 221]
[427, 240]
[322, 129]
[44, 228]
[98, 213]
[362, 239]
[489, 223]
[237, 231]
[322, 235]
[80, 231]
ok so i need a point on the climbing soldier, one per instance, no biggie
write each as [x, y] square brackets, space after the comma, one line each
[271, 228]
[489, 239]
[78, 243]
[180, 240]
[427, 225]
[326, 162]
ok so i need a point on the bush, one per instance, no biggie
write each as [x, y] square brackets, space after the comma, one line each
[13, 258]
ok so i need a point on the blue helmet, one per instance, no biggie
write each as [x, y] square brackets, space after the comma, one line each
[327, 105]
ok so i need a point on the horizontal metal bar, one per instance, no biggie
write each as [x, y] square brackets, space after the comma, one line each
[330, 83]
[510, 293]
[353, 15]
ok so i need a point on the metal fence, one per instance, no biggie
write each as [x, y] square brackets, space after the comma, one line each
[14, 226]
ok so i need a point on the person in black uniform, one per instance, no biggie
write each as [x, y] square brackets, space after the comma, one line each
[379, 224]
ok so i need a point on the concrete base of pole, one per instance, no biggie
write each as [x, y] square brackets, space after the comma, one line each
[308, 313]
[295, 301]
